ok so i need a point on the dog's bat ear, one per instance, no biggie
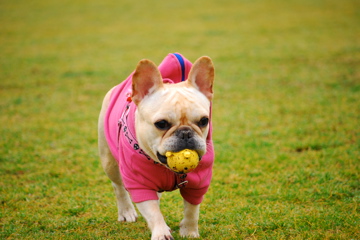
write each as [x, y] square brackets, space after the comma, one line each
[201, 76]
[146, 80]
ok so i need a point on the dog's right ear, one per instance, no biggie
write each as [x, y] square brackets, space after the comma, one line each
[201, 76]
[146, 80]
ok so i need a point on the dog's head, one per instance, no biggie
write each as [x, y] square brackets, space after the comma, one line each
[172, 117]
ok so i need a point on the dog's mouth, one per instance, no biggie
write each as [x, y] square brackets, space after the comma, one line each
[162, 158]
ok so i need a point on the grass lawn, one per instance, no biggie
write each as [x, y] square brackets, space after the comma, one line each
[286, 114]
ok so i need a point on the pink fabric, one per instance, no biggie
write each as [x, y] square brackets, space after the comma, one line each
[142, 176]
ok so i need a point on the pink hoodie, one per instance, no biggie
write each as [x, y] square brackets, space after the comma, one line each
[142, 176]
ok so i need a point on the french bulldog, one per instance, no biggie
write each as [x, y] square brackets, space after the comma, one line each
[156, 110]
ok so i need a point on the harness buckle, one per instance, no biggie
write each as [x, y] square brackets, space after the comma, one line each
[182, 184]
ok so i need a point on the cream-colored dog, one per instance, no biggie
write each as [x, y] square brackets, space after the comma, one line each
[152, 115]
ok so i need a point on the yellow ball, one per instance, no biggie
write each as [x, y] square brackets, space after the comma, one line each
[184, 161]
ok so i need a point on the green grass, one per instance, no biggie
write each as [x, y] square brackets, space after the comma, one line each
[286, 114]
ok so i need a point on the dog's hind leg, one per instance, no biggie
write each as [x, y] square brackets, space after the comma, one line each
[126, 210]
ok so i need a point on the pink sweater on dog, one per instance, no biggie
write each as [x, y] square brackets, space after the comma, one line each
[142, 176]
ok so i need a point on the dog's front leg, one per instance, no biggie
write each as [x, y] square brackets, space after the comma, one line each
[189, 225]
[150, 210]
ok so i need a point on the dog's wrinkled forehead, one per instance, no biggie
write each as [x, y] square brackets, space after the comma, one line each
[174, 102]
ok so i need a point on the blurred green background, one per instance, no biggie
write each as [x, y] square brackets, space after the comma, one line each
[286, 114]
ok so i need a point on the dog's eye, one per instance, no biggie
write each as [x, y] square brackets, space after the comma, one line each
[163, 125]
[203, 122]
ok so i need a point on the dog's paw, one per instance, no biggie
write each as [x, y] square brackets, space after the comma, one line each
[162, 234]
[189, 230]
[127, 214]
[163, 237]
[189, 234]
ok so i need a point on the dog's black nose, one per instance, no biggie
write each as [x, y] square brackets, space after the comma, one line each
[185, 139]
[184, 133]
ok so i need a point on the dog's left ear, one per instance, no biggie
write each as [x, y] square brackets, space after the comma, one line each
[201, 76]
[146, 80]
